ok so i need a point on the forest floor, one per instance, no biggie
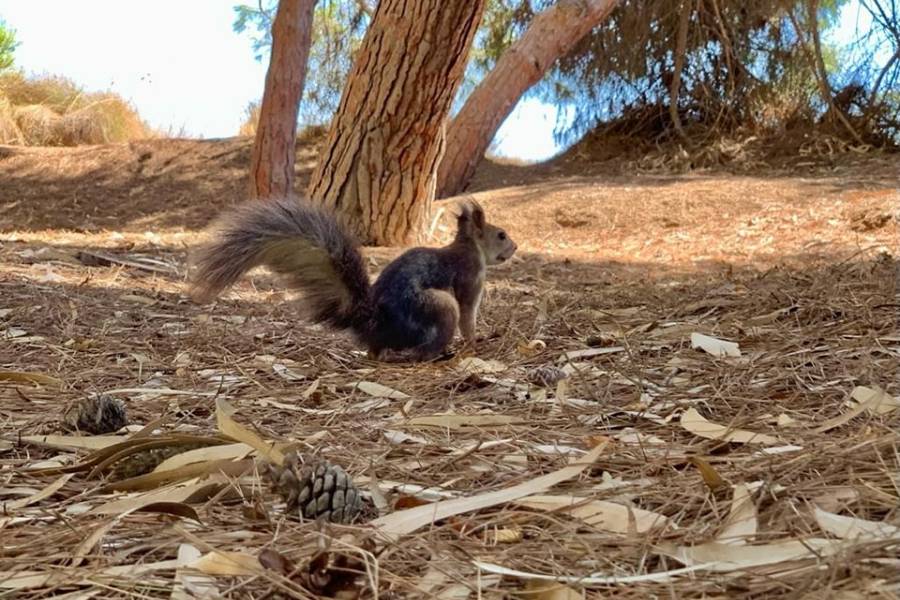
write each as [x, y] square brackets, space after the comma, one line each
[795, 495]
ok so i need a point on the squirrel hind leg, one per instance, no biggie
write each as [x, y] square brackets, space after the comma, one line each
[440, 315]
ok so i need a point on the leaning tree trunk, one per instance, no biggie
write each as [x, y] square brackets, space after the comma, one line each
[379, 164]
[272, 162]
[552, 34]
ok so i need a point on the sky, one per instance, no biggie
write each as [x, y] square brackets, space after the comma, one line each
[181, 64]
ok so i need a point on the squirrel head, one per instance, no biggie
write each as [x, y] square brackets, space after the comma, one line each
[492, 242]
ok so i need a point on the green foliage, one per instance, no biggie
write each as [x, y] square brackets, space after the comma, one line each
[8, 46]
[746, 64]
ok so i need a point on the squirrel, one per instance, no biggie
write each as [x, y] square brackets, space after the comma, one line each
[410, 313]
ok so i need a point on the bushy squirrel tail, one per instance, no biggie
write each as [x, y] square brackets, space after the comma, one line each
[305, 245]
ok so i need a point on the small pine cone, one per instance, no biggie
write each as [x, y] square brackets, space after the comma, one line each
[315, 488]
[96, 415]
[546, 376]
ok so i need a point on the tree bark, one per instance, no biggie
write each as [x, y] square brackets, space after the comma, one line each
[272, 161]
[379, 164]
[684, 17]
[551, 35]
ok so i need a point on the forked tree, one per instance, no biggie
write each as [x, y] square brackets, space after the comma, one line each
[379, 164]
[551, 35]
[272, 161]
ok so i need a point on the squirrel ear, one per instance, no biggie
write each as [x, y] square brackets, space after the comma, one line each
[477, 215]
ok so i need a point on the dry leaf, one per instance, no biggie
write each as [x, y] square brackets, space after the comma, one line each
[741, 524]
[608, 516]
[473, 364]
[506, 535]
[871, 403]
[30, 377]
[190, 586]
[589, 352]
[855, 528]
[232, 429]
[227, 564]
[882, 405]
[379, 391]
[459, 421]
[406, 521]
[207, 454]
[48, 491]
[174, 494]
[714, 346]
[694, 422]
[538, 589]
[722, 558]
[593, 579]
[531, 348]
[77, 442]
[711, 477]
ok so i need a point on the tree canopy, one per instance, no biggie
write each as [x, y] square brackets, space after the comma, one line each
[8, 46]
[740, 66]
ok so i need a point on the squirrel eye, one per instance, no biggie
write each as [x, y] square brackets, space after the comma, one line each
[502, 235]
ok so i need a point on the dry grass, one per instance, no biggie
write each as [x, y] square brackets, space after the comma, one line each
[251, 120]
[811, 300]
[54, 111]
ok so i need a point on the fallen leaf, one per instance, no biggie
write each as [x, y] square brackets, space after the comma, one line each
[169, 495]
[190, 586]
[48, 491]
[207, 454]
[538, 589]
[723, 558]
[227, 564]
[234, 430]
[608, 516]
[710, 476]
[694, 422]
[871, 402]
[404, 522]
[741, 523]
[78, 442]
[377, 390]
[531, 347]
[589, 352]
[882, 405]
[855, 528]
[30, 377]
[714, 346]
[459, 421]
[473, 364]
[593, 579]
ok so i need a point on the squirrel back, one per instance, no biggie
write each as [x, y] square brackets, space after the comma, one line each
[412, 311]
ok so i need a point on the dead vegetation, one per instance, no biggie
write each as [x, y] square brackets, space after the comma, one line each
[54, 111]
[727, 425]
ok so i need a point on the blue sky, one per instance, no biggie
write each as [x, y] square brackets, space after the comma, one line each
[184, 68]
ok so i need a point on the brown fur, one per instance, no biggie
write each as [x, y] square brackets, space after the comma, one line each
[410, 313]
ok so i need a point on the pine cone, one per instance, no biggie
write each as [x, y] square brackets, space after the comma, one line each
[314, 488]
[96, 415]
[546, 376]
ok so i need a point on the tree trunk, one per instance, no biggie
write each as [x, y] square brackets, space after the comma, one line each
[551, 35]
[379, 165]
[272, 162]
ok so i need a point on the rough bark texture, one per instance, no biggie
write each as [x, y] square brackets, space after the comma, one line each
[552, 34]
[379, 165]
[272, 162]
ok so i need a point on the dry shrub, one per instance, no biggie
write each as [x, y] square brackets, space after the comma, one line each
[9, 130]
[39, 124]
[251, 120]
[54, 111]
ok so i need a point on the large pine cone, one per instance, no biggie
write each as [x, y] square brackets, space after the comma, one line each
[314, 488]
[97, 415]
